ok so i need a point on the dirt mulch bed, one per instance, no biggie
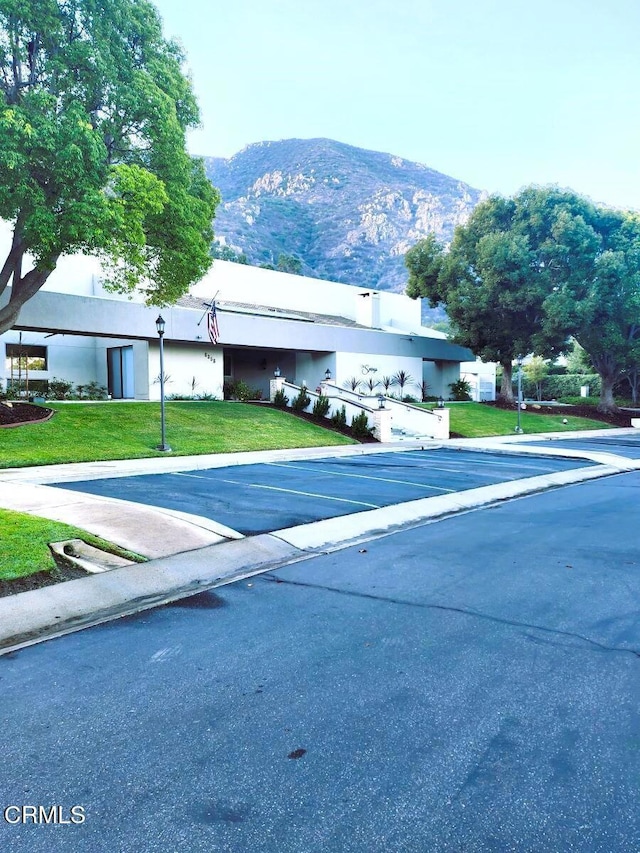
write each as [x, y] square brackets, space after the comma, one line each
[39, 579]
[618, 419]
[18, 414]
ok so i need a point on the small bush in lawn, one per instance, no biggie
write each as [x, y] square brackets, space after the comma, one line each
[409, 399]
[360, 426]
[339, 418]
[321, 407]
[280, 399]
[301, 401]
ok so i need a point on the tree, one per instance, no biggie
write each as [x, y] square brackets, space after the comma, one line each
[93, 118]
[220, 251]
[536, 371]
[498, 274]
[603, 308]
[290, 264]
[577, 359]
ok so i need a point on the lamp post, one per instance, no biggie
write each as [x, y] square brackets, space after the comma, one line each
[518, 427]
[381, 401]
[160, 329]
[327, 375]
[276, 373]
[441, 402]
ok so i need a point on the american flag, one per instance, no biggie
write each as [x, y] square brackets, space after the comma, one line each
[212, 324]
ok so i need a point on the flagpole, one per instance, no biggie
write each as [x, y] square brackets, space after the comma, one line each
[208, 304]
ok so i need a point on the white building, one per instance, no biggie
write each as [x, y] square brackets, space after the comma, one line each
[74, 330]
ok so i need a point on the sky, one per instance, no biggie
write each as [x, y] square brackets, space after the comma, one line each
[497, 93]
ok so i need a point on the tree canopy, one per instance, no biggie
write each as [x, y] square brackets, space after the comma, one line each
[526, 273]
[93, 117]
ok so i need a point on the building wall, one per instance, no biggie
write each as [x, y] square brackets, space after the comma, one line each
[243, 283]
[187, 369]
[69, 357]
[365, 366]
[438, 375]
[481, 376]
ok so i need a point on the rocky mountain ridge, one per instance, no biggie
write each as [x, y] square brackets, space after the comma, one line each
[346, 214]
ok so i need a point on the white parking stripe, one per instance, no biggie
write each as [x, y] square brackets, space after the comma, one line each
[462, 468]
[360, 476]
[278, 489]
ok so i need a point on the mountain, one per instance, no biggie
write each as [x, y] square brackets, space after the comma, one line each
[346, 213]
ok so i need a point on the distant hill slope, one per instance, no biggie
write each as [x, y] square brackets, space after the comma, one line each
[348, 214]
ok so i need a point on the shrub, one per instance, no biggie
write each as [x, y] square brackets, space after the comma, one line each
[92, 391]
[239, 390]
[360, 426]
[339, 418]
[301, 401]
[409, 399]
[460, 390]
[60, 389]
[569, 385]
[280, 399]
[321, 407]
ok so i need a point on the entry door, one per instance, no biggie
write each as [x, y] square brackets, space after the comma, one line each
[120, 372]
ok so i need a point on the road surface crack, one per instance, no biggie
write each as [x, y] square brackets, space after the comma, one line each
[463, 611]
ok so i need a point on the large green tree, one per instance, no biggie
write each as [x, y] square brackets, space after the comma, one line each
[94, 108]
[526, 273]
[601, 303]
[492, 282]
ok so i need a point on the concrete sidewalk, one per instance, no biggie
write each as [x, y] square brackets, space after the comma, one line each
[194, 554]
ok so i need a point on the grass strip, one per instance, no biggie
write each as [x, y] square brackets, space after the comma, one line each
[91, 432]
[477, 420]
[24, 541]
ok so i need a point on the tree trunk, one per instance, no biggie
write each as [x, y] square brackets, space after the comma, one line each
[607, 404]
[506, 384]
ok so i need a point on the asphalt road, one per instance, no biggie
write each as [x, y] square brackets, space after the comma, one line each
[261, 498]
[470, 685]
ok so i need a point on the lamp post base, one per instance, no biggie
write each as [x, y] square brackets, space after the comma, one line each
[164, 448]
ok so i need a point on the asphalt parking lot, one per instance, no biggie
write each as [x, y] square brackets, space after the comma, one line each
[627, 445]
[260, 498]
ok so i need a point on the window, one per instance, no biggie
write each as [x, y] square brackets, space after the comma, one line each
[22, 358]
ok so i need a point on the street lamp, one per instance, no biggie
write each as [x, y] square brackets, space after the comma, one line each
[327, 375]
[518, 428]
[441, 402]
[381, 401]
[276, 373]
[160, 329]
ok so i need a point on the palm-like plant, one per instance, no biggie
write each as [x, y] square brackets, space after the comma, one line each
[424, 388]
[371, 384]
[386, 382]
[401, 379]
[352, 384]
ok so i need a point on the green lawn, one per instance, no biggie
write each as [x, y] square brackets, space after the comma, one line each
[474, 420]
[85, 432]
[25, 539]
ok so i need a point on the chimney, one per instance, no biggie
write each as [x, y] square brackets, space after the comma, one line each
[368, 309]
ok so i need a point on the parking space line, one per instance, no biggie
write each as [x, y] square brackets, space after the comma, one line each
[478, 460]
[278, 489]
[361, 476]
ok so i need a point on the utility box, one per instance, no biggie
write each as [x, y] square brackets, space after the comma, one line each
[584, 390]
